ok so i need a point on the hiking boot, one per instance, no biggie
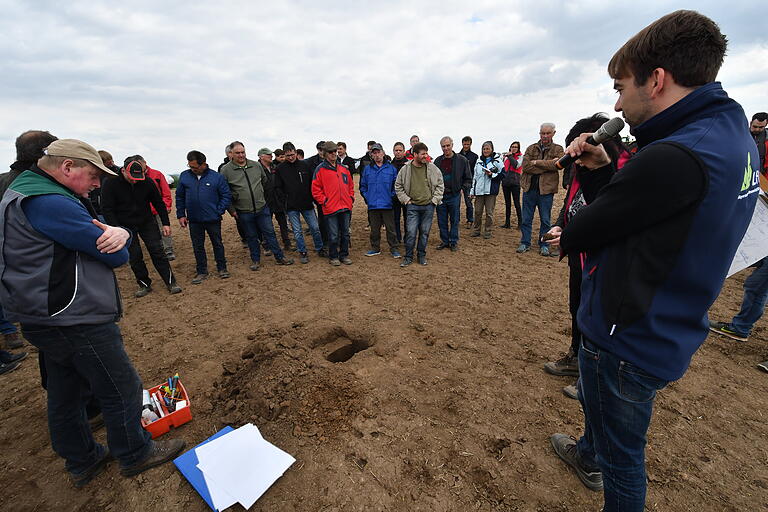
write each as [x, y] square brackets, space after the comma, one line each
[142, 291]
[170, 256]
[162, 452]
[544, 251]
[174, 288]
[406, 261]
[395, 253]
[284, 261]
[555, 253]
[303, 258]
[506, 225]
[335, 262]
[572, 390]
[442, 246]
[322, 253]
[763, 366]
[567, 365]
[8, 367]
[727, 330]
[224, 274]
[12, 340]
[346, 261]
[486, 235]
[7, 357]
[244, 244]
[454, 248]
[422, 260]
[522, 248]
[373, 252]
[199, 278]
[475, 234]
[80, 480]
[565, 448]
[254, 266]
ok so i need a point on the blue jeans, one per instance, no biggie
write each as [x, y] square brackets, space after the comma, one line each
[617, 400]
[468, 205]
[294, 217]
[449, 212]
[755, 297]
[338, 234]
[83, 361]
[258, 226]
[197, 231]
[419, 219]
[531, 200]
[6, 327]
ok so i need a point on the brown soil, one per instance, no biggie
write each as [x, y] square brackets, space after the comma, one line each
[438, 401]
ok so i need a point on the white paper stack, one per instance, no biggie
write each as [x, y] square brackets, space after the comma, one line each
[240, 466]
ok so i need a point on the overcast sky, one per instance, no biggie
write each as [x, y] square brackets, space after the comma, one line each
[162, 78]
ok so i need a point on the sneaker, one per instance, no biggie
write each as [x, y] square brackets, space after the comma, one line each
[441, 246]
[142, 291]
[567, 365]
[475, 234]
[244, 244]
[572, 390]
[346, 261]
[267, 252]
[422, 260]
[254, 266]
[8, 367]
[544, 251]
[454, 248]
[335, 262]
[224, 274]
[174, 288]
[303, 258]
[170, 256]
[522, 248]
[7, 357]
[395, 254]
[505, 225]
[565, 448]
[80, 480]
[284, 261]
[726, 329]
[486, 235]
[406, 261]
[763, 366]
[373, 252]
[199, 278]
[322, 253]
[162, 452]
[12, 340]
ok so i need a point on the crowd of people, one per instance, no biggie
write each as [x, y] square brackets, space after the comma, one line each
[633, 223]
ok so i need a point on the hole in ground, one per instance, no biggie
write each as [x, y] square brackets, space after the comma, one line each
[344, 348]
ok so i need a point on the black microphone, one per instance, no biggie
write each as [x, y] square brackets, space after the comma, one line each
[609, 130]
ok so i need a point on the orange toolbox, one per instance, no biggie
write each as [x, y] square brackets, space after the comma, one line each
[171, 419]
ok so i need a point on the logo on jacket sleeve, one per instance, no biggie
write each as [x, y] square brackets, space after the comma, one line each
[751, 179]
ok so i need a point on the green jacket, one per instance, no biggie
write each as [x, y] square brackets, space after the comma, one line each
[247, 185]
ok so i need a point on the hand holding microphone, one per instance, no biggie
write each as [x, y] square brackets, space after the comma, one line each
[587, 149]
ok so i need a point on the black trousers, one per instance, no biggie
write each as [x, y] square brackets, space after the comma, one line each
[511, 192]
[150, 234]
[282, 222]
[574, 298]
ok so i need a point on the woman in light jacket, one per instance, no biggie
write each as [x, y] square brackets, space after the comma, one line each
[489, 171]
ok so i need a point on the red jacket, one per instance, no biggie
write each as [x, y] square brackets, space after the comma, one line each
[333, 188]
[162, 186]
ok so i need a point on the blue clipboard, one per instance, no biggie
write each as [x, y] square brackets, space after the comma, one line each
[187, 464]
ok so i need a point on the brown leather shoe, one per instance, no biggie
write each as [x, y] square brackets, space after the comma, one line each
[161, 452]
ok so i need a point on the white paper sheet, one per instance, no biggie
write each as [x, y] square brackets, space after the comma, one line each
[754, 245]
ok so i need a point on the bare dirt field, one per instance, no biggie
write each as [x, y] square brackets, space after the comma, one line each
[443, 405]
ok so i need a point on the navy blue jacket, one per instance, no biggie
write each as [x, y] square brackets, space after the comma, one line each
[377, 185]
[204, 199]
[661, 235]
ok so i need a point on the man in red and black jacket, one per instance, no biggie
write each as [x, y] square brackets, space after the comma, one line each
[334, 191]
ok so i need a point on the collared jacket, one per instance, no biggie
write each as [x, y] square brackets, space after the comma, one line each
[377, 185]
[293, 182]
[546, 169]
[461, 174]
[128, 204]
[434, 181]
[483, 184]
[333, 188]
[247, 185]
[51, 272]
[162, 187]
[204, 198]
[275, 201]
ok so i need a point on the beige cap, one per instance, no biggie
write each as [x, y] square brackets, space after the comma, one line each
[73, 148]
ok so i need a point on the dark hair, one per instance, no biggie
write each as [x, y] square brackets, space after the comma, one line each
[196, 156]
[760, 116]
[30, 145]
[288, 146]
[344, 144]
[685, 43]
[278, 152]
[516, 142]
[398, 144]
[371, 143]
[412, 136]
[300, 152]
[132, 158]
[419, 147]
[236, 143]
[319, 145]
[590, 124]
[466, 138]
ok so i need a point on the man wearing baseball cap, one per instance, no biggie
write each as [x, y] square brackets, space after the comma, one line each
[334, 191]
[59, 285]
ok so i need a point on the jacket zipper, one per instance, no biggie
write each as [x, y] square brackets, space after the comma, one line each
[594, 286]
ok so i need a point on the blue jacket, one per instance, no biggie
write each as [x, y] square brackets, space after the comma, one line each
[204, 199]
[484, 184]
[377, 185]
[661, 235]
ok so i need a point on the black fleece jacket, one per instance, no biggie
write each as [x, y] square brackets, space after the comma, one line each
[127, 204]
